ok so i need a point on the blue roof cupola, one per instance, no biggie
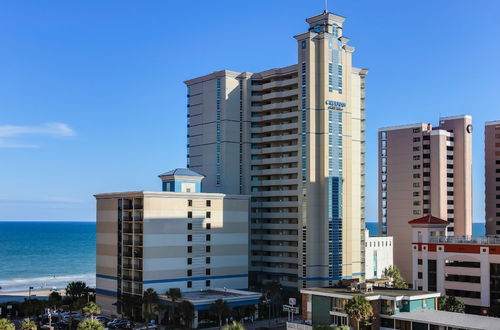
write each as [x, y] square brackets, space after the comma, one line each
[181, 180]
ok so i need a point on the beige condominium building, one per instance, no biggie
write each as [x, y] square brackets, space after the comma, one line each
[492, 176]
[424, 170]
[294, 139]
[175, 238]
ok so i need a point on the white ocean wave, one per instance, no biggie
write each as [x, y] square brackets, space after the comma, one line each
[47, 282]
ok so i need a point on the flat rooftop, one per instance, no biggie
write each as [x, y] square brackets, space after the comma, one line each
[203, 298]
[455, 320]
[377, 293]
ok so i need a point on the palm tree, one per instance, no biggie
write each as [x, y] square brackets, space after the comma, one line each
[234, 326]
[358, 308]
[174, 294]
[186, 312]
[219, 308]
[27, 325]
[76, 289]
[129, 303]
[149, 297]
[159, 309]
[89, 324]
[91, 309]
[6, 325]
[54, 298]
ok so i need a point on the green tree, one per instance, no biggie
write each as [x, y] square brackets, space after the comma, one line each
[397, 280]
[90, 324]
[359, 308]
[6, 325]
[76, 289]
[27, 324]
[91, 309]
[234, 326]
[174, 294]
[186, 312]
[451, 304]
[219, 308]
[55, 299]
[149, 297]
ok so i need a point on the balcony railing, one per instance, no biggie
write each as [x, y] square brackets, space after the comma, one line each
[466, 239]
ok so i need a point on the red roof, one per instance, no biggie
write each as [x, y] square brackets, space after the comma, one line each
[428, 220]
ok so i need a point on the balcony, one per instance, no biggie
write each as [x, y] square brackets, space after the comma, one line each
[281, 83]
[275, 116]
[491, 240]
[128, 230]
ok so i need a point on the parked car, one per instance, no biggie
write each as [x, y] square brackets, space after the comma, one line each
[103, 319]
[121, 324]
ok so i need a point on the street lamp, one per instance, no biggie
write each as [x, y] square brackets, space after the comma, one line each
[268, 302]
[29, 293]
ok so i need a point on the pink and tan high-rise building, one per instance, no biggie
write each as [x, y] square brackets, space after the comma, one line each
[424, 170]
[492, 173]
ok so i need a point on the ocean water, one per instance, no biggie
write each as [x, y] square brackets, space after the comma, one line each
[478, 228]
[46, 254]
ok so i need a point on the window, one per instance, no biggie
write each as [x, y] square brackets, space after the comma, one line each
[208, 215]
[383, 135]
[190, 238]
[419, 261]
[208, 237]
[207, 260]
[416, 203]
[416, 212]
[209, 226]
[207, 248]
[190, 226]
[416, 167]
[190, 249]
[416, 175]
[416, 184]
[420, 275]
[207, 271]
[416, 193]
[416, 139]
[189, 284]
[190, 202]
[416, 130]
[416, 148]
[209, 203]
[416, 157]
[189, 272]
[190, 214]
[190, 261]
[207, 283]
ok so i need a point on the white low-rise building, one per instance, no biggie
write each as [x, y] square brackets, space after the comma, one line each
[378, 255]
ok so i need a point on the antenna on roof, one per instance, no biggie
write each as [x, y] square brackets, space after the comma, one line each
[326, 6]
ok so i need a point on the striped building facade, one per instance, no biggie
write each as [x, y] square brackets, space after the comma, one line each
[171, 239]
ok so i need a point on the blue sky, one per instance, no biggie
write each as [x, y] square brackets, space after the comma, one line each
[92, 96]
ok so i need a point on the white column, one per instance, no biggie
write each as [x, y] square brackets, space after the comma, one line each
[414, 266]
[440, 262]
[485, 277]
[195, 320]
[425, 267]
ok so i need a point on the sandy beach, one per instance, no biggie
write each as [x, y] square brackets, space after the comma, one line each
[21, 295]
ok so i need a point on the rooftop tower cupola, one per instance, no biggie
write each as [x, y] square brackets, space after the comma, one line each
[181, 180]
[326, 22]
